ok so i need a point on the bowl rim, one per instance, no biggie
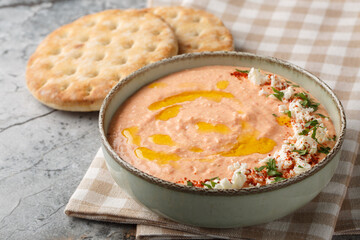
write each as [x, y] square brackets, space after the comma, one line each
[220, 192]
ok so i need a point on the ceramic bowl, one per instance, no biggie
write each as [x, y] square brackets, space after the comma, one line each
[219, 208]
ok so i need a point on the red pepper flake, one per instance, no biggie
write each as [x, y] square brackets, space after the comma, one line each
[194, 182]
[254, 178]
[239, 75]
[287, 174]
[314, 159]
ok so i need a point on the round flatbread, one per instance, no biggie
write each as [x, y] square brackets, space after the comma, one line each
[75, 66]
[196, 30]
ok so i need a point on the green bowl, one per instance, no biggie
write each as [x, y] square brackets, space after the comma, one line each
[221, 208]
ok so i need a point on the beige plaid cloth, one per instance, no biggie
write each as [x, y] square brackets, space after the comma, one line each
[320, 36]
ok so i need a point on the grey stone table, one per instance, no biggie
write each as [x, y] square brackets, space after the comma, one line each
[44, 153]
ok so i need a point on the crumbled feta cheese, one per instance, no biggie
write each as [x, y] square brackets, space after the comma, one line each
[284, 157]
[265, 160]
[301, 166]
[277, 83]
[274, 81]
[234, 166]
[282, 108]
[288, 93]
[321, 133]
[256, 77]
[306, 142]
[268, 181]
[287, 164]
[263, 92]
[223, 184]
[299, 112]
[272, 96]
[238, 178]
[297, 128]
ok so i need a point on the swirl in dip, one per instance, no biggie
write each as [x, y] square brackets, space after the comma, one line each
[222, 127]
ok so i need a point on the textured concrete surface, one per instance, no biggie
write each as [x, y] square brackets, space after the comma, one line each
[43, 152]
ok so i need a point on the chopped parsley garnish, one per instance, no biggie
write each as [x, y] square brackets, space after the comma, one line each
[332, 139]
[313, 135]
[212, 179]
[300, 166]
[288, 112]
[314, 106]
[322, 116]
[325, 150]
[207, 185]
[302, 95]
[315, 125]
[189, 183]
[312, 123]
[259, 169]
[278, 179]
[278, 94]
[212, 183]
[304, 132]
[293, 85]
[271, 168]
[275, 115]
[306, 101]
[301, 152]
[242, 71]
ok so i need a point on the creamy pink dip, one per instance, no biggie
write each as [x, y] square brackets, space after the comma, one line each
[195, 123]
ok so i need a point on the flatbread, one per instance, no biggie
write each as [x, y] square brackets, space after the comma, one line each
[75, 66]
[196, 30]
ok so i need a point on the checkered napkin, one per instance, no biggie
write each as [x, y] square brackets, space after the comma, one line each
[320, 36]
